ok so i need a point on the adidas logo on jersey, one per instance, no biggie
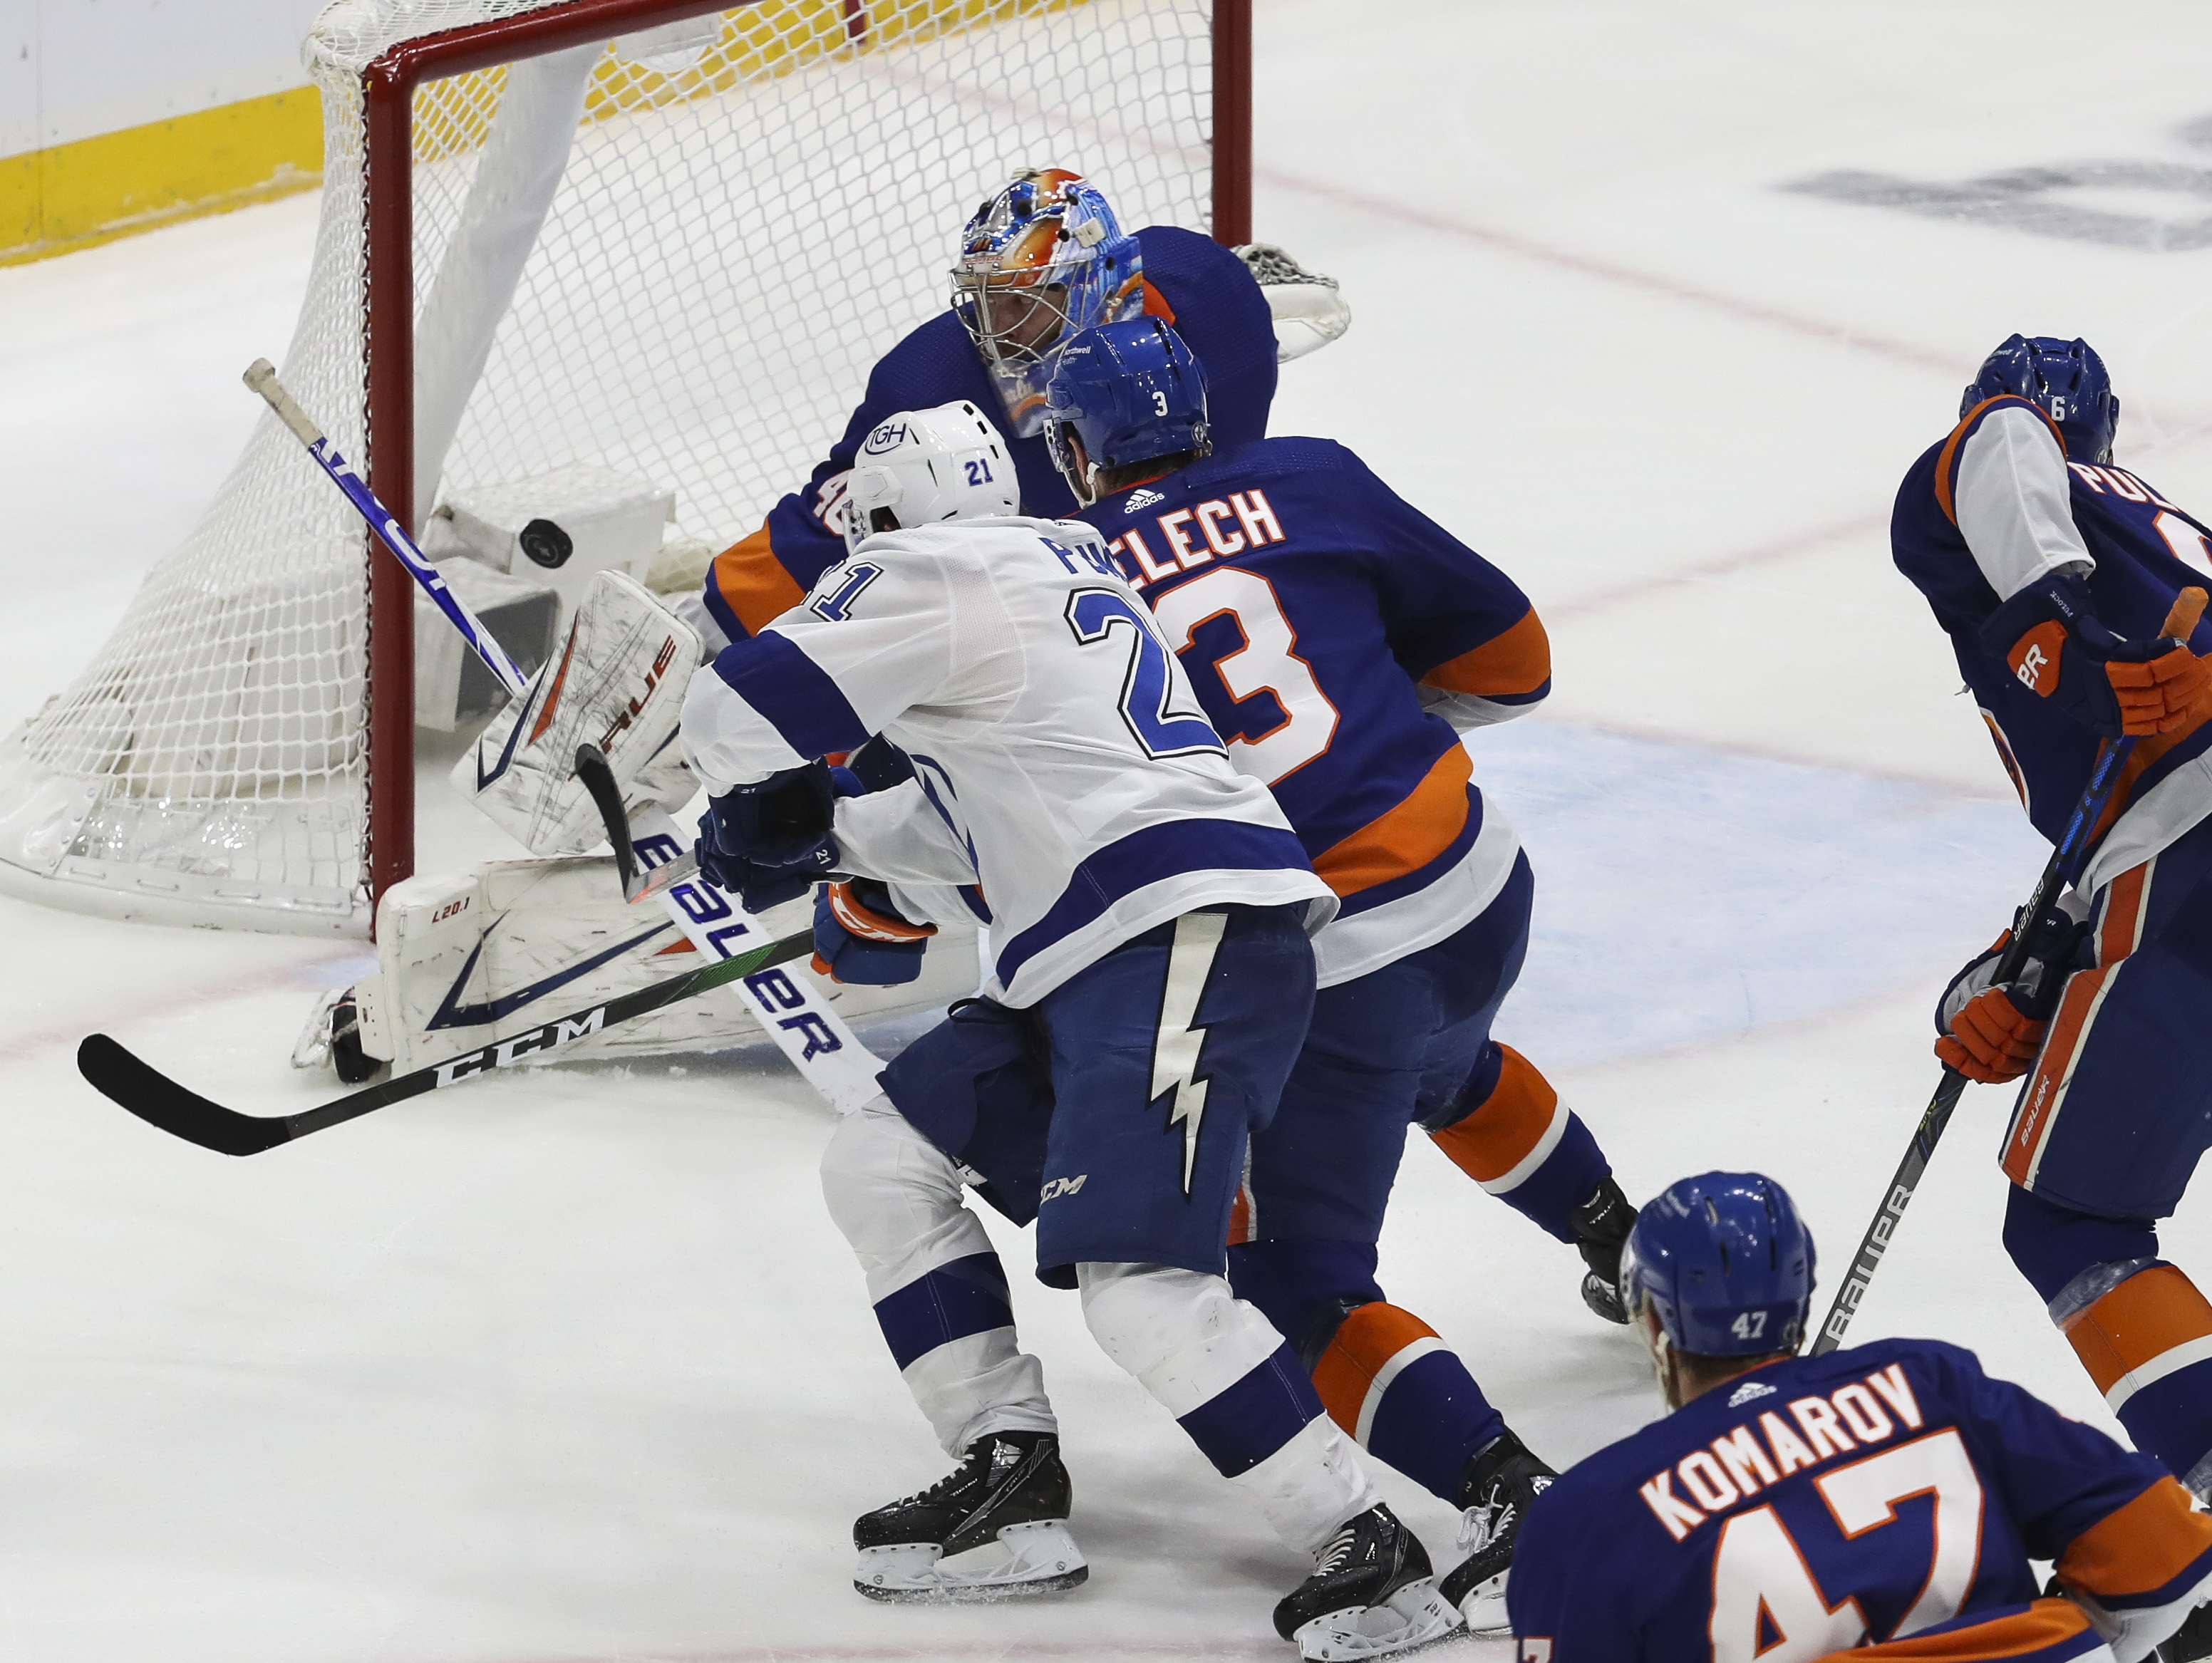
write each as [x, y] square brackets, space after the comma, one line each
[1143, 497]
[1750, 1391]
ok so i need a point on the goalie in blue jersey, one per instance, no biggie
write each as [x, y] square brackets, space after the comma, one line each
[1042, 258]
[1882, 1502]
[1342, 642]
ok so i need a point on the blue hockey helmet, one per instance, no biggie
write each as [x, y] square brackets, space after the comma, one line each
[1727, 1263]
[1131, 391]
[2067, 378]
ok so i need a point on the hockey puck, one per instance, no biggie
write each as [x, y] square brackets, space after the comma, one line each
[546, 543]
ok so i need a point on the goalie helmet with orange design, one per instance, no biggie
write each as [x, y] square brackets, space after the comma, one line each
[1041, 261]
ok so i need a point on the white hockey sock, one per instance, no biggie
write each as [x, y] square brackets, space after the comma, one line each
[938, 1291]
[1214, 1362]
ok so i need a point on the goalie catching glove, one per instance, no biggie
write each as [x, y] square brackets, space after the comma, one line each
[2059, 649]
[860, 937]
[770, 841]
[1992, 1032]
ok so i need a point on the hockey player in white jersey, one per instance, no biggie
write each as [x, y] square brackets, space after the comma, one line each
[1147, 991]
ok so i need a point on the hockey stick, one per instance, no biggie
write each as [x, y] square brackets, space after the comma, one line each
[160, 1100]
[262, 377]
[2064, 867]
[797, 1019]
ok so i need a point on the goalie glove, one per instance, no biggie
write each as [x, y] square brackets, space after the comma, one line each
[770, 841]
[1308, 310]
[2059, 649]
[860, 936]
[1992, 1032]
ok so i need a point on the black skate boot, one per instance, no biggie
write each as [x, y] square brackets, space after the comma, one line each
[1601, 1225]
[1502, 1479]
[1001, 1515]
[1372, 1595]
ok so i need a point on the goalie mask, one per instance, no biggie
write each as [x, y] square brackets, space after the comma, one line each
[1044, 259]
[929, 465]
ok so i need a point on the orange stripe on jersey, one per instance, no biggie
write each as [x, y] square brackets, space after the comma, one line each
[1517, 661]
[752, 581]
[2139, 1321]
[1364, 1343]
[1947, 462]
[2148, 750]
[1505, 1127]
[1156, 304]
[1406, 838]
[2141, 1548]
[2047, 1623]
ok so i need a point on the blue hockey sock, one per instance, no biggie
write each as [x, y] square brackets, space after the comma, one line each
[1405, 1397]
[1514, 1136]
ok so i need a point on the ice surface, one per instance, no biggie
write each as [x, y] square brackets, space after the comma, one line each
[573, 1366]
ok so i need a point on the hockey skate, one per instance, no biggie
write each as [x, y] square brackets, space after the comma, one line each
[1371, 1595]
[995, 1528]
[1502, 1480]
[1601, 1225]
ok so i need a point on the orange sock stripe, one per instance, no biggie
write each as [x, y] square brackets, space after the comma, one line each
[2139, 1321]
[2120, 931]
[752, 580]
[2045, 1623]
[1362, 1348]
[2142, 1548]
[1406, 838]
[1507, 1124]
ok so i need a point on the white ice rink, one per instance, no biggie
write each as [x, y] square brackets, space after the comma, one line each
[573, 1367]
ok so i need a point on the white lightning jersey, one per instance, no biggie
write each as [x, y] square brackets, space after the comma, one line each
[1061, 760]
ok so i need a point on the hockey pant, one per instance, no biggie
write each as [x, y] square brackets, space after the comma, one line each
[1394, 1046]
[2109, 1127]
[1208, 1358]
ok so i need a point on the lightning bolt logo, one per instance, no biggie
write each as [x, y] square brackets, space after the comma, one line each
[1177, 1044]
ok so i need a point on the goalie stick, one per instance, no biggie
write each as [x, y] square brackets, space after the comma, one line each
[159, 1100]
[261, 376]
[2064, 867]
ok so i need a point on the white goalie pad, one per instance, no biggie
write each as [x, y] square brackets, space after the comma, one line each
[496, 950]
[617, 682]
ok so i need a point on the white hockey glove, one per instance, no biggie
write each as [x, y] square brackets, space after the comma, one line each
[617, 682]
[1308, 309]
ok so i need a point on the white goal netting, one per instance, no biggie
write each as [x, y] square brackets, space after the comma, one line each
[676, 256]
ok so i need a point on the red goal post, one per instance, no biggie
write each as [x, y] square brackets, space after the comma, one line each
[655, 241]
[389, 87]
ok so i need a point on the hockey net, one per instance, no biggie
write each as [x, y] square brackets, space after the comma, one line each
[647, 237]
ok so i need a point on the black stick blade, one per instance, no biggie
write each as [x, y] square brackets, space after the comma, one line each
[159, 1100]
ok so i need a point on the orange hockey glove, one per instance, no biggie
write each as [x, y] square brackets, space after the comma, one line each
[2157, 695]
[1991, 1040]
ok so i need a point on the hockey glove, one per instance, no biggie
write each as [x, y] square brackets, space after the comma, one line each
[770, 841]
[860, 936]
[2059, 649]
[1992, 1032]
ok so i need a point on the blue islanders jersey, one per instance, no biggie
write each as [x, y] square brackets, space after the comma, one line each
[1323, 622]
[1881, 1491]
[2145, 548]
[1190, 281]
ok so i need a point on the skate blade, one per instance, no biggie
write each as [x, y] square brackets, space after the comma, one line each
[1483, 1606]
[1025, 1561]
[1415, 1616]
